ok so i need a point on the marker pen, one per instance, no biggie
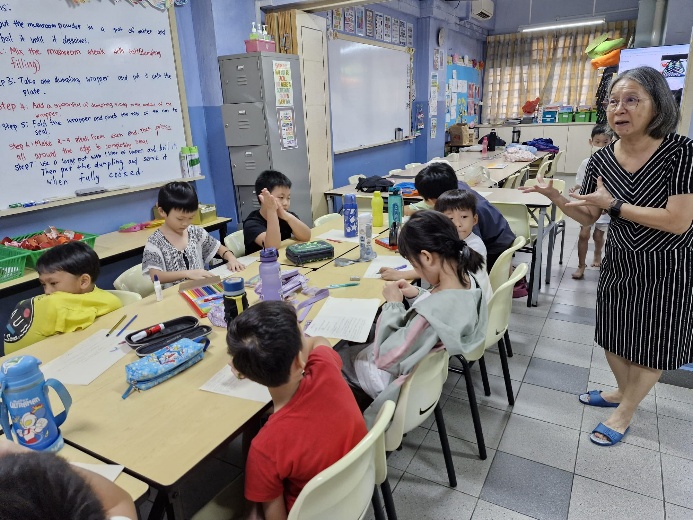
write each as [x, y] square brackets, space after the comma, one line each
[148, 332]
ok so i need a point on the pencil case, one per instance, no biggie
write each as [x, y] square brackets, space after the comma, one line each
[162, 365]
[174, 330]
[306, 252]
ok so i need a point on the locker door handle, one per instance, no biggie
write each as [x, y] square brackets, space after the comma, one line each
[241, 112]
[240, 67]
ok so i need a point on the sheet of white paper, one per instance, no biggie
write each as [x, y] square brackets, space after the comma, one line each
[109, 471]
[88, 359]
[484, 193]
[338, 234]
[225, 382]
[345, 318]
[386, 261]
[496, 166]
[223, 272]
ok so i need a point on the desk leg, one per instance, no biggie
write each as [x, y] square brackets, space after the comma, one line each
[330, 203]
[223, 231]
[167, 502]
[533, 298]
[552, 244]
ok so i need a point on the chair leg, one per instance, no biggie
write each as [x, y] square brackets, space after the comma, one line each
[377, 505]
[484, 376]
[508, 346]
[531, 276]
[443, 434]
[474, 408]
[389, 501]
[560, 259]
[506, 373]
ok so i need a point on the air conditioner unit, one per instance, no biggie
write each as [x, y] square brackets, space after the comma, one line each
[482, 9]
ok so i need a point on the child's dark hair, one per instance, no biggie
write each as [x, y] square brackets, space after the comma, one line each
[178, 195]
[42, 486]
[456, 199]
[75, 257]
[435, 179]
[600, 130]
[263, 341]
[271, 179]
[434, 232]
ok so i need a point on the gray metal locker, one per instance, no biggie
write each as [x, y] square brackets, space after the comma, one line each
[253, 130]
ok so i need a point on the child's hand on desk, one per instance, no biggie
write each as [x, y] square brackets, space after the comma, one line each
[389, 274]
[198, 274]
[234, 265]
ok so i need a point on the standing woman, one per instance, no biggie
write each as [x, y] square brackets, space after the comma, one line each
[645, 294]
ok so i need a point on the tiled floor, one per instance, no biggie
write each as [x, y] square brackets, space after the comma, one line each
[540, 462]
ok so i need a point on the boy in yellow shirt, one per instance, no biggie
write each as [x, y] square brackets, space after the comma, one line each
[71, 301]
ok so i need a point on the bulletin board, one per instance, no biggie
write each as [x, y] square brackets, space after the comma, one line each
[91, 97]
[462, 94]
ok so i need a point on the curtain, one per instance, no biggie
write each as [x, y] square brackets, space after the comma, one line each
[551, 65]
[281, 26]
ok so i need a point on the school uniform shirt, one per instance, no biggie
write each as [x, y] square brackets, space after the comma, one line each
[420, 205]
[493, 229]
[481, 275]
[160, 254]
[317, 427]
[48, 314]
[255, 225]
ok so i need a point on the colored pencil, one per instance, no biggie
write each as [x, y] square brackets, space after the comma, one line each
[116, 325]
[127, 325]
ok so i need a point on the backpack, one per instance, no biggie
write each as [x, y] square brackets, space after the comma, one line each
[373, 183]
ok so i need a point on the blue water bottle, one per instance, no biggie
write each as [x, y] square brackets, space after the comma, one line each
[270, 274]
[25, 409]
[394, 206]
[351, 216]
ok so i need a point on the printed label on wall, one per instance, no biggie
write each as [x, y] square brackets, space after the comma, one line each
[283, 87]
[287, 129]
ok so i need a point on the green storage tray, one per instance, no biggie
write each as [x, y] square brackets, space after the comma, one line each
[593, 116]
[33, 256]
[582, 117]
[565, 117]
[12, 263]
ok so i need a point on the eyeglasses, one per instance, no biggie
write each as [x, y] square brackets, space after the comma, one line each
[628, 102]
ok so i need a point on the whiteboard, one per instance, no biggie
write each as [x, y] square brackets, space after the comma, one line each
[369, 93]
[88, 98]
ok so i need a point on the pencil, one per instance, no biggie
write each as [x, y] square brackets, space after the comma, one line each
[127, 325]
[116, 325]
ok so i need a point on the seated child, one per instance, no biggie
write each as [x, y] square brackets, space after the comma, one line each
[273, 222]
[315, 421]
[43, 486]
[452, 314]
[431, 182]
[71, 300]
[179, 251]
[599, 139]
[460, 207]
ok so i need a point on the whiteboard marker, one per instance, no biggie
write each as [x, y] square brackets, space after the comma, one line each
[118, 188]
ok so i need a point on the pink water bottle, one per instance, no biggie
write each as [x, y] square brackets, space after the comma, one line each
[484, 148]
[270, 274]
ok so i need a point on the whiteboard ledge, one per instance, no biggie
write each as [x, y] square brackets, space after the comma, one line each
[410, 138]
[75, 200]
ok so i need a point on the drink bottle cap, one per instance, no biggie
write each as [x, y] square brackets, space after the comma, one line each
[21, 370]
[269, 254]
[350, 198]
[234, 284]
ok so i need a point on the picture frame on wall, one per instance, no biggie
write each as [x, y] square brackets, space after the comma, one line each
[370, 32]
[410, 35]
[338, 19]
[387, 28]
[349, 23]
[360, 21]
[379, 26]
[402, 32]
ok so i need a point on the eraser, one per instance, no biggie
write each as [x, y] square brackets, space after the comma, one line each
[355, 278]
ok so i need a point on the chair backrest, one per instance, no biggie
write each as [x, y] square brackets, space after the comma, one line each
[500, 306]
[418, 397]
[132, 280]
[501, 268]
[559, 184]
[517, 216]
[344, 490]
[126, 297]
[453, 157]
[510, 182]
[520, 177]
[412, 164]
[234, 243]
[354, 179]
[554, 162]
[543, 170]
[326, 218]
[395, 171]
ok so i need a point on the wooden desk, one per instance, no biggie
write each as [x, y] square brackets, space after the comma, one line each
[111, 247]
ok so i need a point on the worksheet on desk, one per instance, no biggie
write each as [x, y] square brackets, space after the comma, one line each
[338, 235]
[107, 471]
[87, 360]
[345, 318]
[225, 382]
[391, 261]
[223, 272]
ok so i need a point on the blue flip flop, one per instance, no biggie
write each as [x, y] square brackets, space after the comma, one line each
[596, 399]
[613, 436]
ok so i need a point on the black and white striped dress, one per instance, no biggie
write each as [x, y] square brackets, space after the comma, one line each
[645, 292]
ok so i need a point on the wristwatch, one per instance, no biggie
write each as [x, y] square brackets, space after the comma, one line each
[615, 208]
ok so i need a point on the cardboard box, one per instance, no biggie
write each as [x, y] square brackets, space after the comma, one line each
[459, 135]
[205, 213]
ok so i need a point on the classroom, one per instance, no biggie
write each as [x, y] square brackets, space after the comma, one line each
[579, 192]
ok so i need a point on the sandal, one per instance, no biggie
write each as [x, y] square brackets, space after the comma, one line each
[613, 436]
[596, 399]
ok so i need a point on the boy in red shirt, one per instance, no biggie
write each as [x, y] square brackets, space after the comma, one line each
[316, 420]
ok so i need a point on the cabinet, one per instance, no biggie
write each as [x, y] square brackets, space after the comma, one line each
[253, 131]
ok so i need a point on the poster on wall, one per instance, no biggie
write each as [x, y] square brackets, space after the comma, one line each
[349, 24]
[434, 127]
[402, 32]
[369, 23]
[470, 91]
[360, 21]
[395, 30]
[283, 87]
[287, 129]
[387, 28]
[329, 19]
[436, 58]
[379, 26]
[410, 35]
[433, 95]
[338, 19]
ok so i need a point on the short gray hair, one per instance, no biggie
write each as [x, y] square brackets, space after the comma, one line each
[666, 109]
